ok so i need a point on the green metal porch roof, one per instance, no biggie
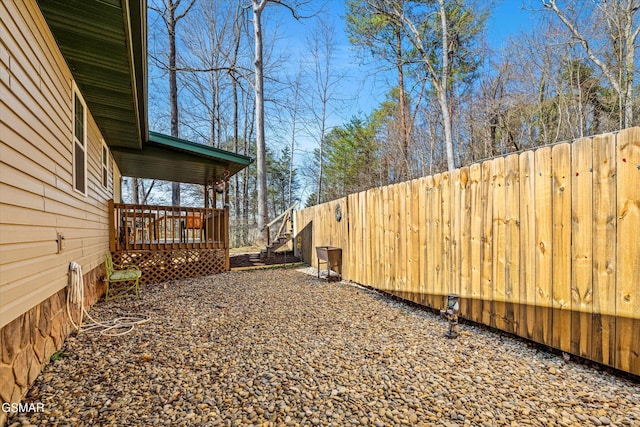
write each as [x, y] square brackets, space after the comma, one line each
[174, 159]
[105, 45]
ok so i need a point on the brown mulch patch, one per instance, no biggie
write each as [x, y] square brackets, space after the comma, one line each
[253, 259]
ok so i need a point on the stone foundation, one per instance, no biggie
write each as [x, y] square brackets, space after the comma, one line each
[27, 342]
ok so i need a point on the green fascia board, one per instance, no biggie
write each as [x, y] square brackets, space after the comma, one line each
[173, 159]
[206, 151]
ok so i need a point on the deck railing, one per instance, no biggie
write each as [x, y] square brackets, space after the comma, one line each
[148, 227]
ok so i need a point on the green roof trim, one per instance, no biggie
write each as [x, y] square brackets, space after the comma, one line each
[198, 149]
[105, 45]
[178, 160]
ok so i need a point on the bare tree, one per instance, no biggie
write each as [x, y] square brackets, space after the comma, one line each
[258, 7]
[171, 17]
[441, 34]
[621, 28]
[384, 39]
[321, 45]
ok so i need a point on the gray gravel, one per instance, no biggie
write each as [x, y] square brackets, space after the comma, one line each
[278, 347]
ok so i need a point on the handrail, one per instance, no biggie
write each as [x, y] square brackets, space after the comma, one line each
[282, 214]
[157, 227]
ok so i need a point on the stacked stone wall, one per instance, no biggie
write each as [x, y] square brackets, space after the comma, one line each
[27, 342]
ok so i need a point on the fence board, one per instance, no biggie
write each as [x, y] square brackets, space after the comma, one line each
[527, 296]
[603, 342]
[456, 219]
[512, 242]
[498, 316]
[544, 245]
[387, 247]
[423, 227]
[438, 279]
[581, 247]
[414, 254]
[401, 239]
[400, 264]
[431, 241]
[486, 288]
[475, 197]
[561, 335]
[464, 243]
[379, 262]
[445, 207]
[628, 266]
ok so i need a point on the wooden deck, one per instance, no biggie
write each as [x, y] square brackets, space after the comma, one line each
[169, 242]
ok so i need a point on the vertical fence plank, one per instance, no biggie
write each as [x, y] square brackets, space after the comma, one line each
[438, 265]
[603, 343]
[364, 244]
[422, 225]
[486, 284]
[561, 335]
[544, 246]
[378, 260]
[445, 207]
[475, 201]
[406, 243]
[527, 245]
[465, 243]
[386, 242]
[628, 265]
[499, 244]
[581, 247]
[512, 242]
[415, 238]
[429, 250]
[400, 262]
[454, 246]
[381, 264]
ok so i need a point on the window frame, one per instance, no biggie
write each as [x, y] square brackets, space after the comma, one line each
[76, 142]
[104, 166]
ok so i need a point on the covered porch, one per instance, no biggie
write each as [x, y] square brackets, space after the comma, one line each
[175, 242]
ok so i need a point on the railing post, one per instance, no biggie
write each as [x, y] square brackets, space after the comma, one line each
[112, 225]
[226, 238]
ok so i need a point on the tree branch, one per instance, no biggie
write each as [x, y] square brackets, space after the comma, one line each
[551, 4]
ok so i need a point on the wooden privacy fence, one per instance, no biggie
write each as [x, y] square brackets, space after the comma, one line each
[544, 244]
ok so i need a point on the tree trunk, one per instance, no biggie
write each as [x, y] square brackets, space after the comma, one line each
[261, 164]
[173, 92]
[443, 89]
[135, 192]
[403, 108]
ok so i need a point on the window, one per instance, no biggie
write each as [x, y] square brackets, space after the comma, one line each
[79, 144]
[105, 165]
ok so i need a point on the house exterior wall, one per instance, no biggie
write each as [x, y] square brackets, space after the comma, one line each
[37, 198]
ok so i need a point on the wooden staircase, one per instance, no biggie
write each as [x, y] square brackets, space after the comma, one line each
[284, 234]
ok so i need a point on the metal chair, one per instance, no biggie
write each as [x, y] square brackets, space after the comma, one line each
[127, 277]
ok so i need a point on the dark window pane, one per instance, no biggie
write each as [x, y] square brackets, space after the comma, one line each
[79, 120]
[105, 178]
[104, 155]
[78, 154]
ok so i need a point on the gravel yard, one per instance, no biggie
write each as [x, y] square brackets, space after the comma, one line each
[279, 347]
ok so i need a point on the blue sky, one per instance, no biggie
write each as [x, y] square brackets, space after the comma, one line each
[507, 18]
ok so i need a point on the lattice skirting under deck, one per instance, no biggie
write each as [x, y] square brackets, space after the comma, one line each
[162, 266]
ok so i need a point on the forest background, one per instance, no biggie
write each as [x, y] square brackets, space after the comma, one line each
[364, 93]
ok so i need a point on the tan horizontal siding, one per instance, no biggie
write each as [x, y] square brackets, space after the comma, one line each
[37, 199]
